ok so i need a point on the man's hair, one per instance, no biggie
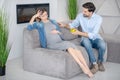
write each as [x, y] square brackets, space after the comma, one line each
[90, 6]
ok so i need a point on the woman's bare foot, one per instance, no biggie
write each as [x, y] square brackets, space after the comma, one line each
[90, 75]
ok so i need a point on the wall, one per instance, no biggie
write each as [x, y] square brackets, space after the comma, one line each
[62, 10]
[16, 30]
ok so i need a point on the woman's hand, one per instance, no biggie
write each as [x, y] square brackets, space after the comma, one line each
[54, 31]
[38, 14]
[35, 16]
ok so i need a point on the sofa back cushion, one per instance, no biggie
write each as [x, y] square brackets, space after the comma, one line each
[31, 38]
[67, 34]
[117, 32]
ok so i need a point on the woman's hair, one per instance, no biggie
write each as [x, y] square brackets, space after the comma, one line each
[90, 6]
[42, 10]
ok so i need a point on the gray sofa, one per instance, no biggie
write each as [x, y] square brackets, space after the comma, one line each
[61, 64]
[51, 62]
[113, 46]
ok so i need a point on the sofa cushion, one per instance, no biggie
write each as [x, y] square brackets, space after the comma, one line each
[77, 42]
[61, 64]
[111, 38]
[31, 38]
[113, 44]
[118, 30]
[67, 34]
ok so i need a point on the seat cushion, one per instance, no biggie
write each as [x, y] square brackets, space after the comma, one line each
[77, 42]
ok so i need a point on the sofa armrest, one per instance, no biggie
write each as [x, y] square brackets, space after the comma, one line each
[43, 50]
[113, 44]
[42, 55]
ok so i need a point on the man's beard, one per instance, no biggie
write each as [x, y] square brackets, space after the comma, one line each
[85, 15]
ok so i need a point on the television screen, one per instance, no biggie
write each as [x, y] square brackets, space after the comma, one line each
[26, 11]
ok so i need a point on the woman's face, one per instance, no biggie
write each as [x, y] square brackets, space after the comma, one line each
[44, 16]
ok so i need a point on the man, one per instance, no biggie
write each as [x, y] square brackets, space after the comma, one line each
[90, 24]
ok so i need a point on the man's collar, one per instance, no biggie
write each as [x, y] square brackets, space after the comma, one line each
[93, 15]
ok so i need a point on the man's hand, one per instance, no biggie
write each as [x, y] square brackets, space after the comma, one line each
[76, 32]
[61, 24]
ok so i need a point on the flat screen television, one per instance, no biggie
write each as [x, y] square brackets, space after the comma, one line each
[26, 11]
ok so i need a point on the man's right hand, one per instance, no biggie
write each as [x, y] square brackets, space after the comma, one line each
[64, 25]
[61, 24]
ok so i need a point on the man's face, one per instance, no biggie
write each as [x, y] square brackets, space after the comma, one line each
[86, 13]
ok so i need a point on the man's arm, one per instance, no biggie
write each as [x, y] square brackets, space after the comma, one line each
[92, 35]
[77, 32]
[64, 25]
[95, 31]
[75, 23]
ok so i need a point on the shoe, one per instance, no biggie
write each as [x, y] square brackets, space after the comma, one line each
[94, 68]
[101, 66]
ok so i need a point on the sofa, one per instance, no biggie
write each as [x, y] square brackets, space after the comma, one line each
[113, 47]
[49, 62]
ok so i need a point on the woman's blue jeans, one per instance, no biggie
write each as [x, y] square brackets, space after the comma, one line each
[97, 44]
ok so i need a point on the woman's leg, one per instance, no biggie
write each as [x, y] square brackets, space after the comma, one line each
[80, 60]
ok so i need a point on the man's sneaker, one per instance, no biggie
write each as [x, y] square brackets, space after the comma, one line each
[100, 66]
[94, 68]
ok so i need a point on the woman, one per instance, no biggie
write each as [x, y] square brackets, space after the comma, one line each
[50, 37]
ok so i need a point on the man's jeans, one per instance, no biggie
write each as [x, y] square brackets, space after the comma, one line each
[97, 44]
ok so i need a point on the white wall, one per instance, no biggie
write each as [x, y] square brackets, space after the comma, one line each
[62, 10]
[57, 12]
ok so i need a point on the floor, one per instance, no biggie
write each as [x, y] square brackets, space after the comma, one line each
[14, 71]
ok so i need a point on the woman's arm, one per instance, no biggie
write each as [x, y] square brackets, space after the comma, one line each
[33, 25]
[34, 17]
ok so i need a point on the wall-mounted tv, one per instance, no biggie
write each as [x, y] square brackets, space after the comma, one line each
[26, 11]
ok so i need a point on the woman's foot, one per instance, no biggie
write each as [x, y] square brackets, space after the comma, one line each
[90, 75]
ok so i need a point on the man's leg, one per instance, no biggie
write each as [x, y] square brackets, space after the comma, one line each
[101, 46]
[88, 46]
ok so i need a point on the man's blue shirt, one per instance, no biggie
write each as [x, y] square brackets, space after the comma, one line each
[90, 25]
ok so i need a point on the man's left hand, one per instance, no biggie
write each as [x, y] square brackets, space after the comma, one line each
[77, 32]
